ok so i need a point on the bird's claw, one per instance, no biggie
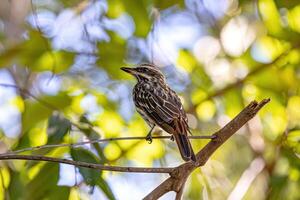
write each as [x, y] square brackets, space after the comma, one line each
[172, 138]
[149, 139]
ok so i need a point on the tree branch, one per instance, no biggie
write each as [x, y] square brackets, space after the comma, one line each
[179, 174]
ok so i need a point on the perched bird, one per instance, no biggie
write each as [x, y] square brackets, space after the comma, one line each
[160, 106]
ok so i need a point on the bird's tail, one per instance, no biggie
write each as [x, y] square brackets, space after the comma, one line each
[185, 147]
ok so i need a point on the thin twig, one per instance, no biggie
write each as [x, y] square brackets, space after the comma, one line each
[25, 91]
[42, 102]
[100, 141]
[8, 156]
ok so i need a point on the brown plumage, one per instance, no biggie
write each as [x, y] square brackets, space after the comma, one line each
[159, 105]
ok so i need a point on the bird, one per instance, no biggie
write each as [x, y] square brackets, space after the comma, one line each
[160, 106]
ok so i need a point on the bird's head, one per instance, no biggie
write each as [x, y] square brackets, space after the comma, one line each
[145, 72]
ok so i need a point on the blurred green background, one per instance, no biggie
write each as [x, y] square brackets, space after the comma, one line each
[64, 57]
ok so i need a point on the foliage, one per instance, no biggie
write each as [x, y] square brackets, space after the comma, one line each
[65, 58]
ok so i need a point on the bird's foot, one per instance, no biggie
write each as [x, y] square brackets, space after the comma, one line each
[149, 138]
[214, 136]
[172, 138]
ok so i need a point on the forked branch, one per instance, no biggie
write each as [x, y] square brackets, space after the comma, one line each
[178, 176]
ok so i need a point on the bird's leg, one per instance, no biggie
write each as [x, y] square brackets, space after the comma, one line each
[172, 138]
[149, 135]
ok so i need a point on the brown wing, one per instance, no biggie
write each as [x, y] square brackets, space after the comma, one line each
[165, 110]
[158, 105]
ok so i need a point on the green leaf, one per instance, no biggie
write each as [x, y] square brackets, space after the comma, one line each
[36, 54]
[112, 55]
[91, 176]
[163, 4]
[286, 3]
[16, 187]
[59, 193]
[186, 61]
[115, 8]
[138, 11]
[279, 187]
[25, 53]
[233, 102]
[41, 186]
[293, 159]
[201, 79]
[58, 127]
[36, 112]
[55, 61]
[293, 140]
[9, 57]
[70, 3]
[87, 128]
[105, 188]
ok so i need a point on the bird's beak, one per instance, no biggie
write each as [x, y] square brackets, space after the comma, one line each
[128, 70]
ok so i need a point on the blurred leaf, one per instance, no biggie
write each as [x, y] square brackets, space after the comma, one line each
[278, 187]
[275, 119]
[206, 110]
[293, 18]
[270, 15]
[111, 123]
[163, 4]
[87, 128]
[268, 80]
[154, 151]
[293, 141]
[271, 47]
[25, 53]
[138, 11]
[16, 187]
[286, 3]
[294, 111]
[36, 112]
[115, 8]
[58, 127]
[272, 19]
[70, 3]
[198, 96]
[91, 176]
[59, 193]
[112, 151]
[200, 79]
[9, 57]
[35, 54]
[293, 159]
[186, 61]
[43, 183]
[55, 61]
[233, 102]
[112, 55]
[105, 188]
